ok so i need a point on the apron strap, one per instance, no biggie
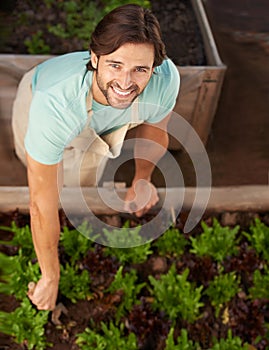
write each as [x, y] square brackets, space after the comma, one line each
[135, 111]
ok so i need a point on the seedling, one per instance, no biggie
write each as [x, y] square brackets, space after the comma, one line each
[127, 284]
[17, 272]
[259, 238]
[136, 254]
[230, 343]
[172, 243]
[222, 289]
[260, 289]
[22, 238]
[183, 343]
[26, 325]
[74, 284]
[216, 241]
[176, 296]
[75, 244]
[111, 338]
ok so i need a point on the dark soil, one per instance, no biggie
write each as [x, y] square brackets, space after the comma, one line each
[180, 31]
[177, 21]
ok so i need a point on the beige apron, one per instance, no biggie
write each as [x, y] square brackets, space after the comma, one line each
[86, 155]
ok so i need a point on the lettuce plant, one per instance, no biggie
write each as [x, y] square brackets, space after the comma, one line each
[22, 238]
[171, 243]
[136, 254]
[175, 295]
[127, 284]
[230, 343]
[183, 343]
[216, 241]
[75, 244]
[110, 338]
[222, 289]
[259, 238]
[260, 289]
[74, 284]
[26, 325]
[16, 272]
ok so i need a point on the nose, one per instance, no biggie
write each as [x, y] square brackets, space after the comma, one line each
[125, 80]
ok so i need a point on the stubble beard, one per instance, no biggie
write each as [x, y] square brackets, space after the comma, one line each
[110, 96]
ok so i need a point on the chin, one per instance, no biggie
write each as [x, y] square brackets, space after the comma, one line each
[119, 104]
[122, 105]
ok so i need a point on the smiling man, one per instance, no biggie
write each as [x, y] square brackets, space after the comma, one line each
[73, 110]
[122, 75]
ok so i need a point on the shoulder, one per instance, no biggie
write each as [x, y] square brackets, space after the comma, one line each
[59, 69]
[68, 58]
[164, 81]
[167, 72]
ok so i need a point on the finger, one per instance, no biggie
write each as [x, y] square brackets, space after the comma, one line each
[130, 207]
[31, 288]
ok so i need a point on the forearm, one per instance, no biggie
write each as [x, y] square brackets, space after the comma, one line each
[46, 231]
[149, 149]
[44, 186]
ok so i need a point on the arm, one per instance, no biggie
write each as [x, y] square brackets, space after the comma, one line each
[144, 167]
[45, 226]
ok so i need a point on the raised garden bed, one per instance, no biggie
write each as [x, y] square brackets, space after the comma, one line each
[207, 289]
[241, 319]
[190, 44]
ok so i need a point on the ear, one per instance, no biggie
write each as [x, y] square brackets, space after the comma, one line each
[94, 60]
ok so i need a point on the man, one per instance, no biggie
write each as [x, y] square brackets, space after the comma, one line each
[68, 114]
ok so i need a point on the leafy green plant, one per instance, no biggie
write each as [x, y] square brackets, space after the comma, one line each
[230, 343]
[183, 343]
[176, 296]
[259, 238]
[171, 243]
[111, 338]
[111, 4]
[75, 242]
[126, 284]
[82, 16]
[80, 19]
[26, 325]
[216, 241]
[139, 251]
[36, 44]
[222, 289]
[16, 273]
[260, 284]
[74, 284]
[22, 238]
[74, 21]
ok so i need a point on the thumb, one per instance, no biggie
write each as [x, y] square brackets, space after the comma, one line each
[31, 288]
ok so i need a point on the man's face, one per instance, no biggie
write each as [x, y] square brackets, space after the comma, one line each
[122, 75]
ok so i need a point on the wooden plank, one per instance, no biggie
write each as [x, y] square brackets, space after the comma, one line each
[211, 50]
[207, 101]
[232, 198]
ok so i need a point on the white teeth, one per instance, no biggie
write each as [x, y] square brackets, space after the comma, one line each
[122, 93]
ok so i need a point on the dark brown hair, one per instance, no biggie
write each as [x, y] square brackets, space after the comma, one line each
[127, 24]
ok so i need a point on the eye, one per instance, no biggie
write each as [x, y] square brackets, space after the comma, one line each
[115, 66]
[141, 70]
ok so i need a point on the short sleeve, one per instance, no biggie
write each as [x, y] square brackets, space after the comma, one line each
[47, 133]
[167, 89]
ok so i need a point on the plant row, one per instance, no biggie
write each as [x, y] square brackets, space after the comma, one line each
[188, 286]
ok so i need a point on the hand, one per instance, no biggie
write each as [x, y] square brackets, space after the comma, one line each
[43, 294]
[140, 197]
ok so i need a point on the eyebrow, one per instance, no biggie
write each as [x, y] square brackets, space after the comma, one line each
[119, 62]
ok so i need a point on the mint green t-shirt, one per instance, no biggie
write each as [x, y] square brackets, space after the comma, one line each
[58, 111]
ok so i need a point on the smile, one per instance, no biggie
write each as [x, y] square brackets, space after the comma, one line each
[122, 93]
